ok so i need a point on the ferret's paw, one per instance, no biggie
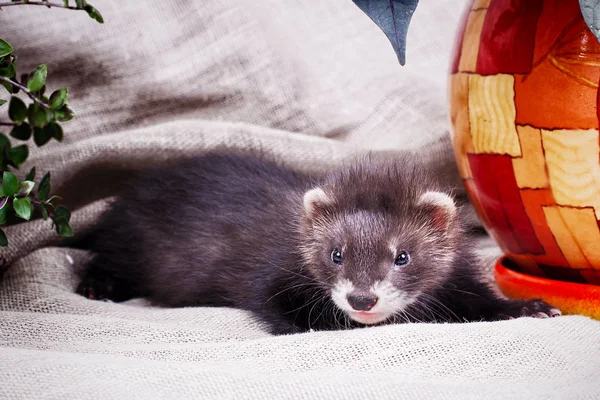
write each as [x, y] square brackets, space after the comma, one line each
[526, 308]
[94, 289]
[539, 309]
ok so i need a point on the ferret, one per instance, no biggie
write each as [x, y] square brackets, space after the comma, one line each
[371, 242]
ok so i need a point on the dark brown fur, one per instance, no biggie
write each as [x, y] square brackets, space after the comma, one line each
[232, 230]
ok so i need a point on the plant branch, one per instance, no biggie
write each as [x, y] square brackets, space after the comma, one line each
[8, 123]
[38, 3]
[25, 90]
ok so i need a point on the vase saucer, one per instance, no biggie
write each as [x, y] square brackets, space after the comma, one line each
[569, 297]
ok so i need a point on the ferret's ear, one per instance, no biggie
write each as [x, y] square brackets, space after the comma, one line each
[316, 202]
[442, 208]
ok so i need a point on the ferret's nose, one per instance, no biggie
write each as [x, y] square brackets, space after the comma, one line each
[362, 301]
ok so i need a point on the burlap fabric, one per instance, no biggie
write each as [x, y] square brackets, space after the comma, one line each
[308, 82]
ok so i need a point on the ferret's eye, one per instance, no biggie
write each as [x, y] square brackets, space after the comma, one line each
[402, 259]
[336, 256]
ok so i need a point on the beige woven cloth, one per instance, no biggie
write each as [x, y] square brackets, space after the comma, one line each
[310, 82]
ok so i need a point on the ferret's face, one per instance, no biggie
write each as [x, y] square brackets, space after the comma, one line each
[375, 265]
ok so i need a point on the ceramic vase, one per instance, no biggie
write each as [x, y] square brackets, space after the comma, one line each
[524, 106]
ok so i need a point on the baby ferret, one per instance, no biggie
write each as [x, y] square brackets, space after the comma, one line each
[371, 242]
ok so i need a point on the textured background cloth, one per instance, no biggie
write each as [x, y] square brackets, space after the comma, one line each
[309, 82]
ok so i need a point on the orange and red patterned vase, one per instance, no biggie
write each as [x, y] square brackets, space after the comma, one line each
[525, 109]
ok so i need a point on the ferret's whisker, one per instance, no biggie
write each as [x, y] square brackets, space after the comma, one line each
[438, 303]
[297, 286]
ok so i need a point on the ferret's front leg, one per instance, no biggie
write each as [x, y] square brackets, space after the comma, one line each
[475, 301]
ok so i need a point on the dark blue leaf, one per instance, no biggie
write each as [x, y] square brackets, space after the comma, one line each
[393, 18]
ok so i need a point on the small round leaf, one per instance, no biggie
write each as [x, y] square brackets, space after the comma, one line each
[37, 115]
[65, 230]
[58, 98]
[10, 184]
[18, 155]
[55, 131]
[8, 87]
[41, 136]
[5, 48]
[61, 214]
[64, 114]
[17, 110]
[37, 78]
[21, 132]
[23, 208]
[9, 71]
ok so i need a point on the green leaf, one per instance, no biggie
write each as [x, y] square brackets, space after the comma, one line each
[93, 13]
[9, 71]
[21, 132]
[61, 215]
[65, 230]
[17, 110]
[50, 116]
[7, 86]
[5, 48]
[37, 78]
[4, 147]
[26, 187]
[31, 175]
[2, 102]
[3, 239]
[23, 208]
[64, 114]
[3, 140]
[58, 98]
[80, 3]
[66, 3]
[44, 212]
[53, 198]
[54, 130]
[18, 155]
[44, 188]
[37, 116]
[10, 184]
[41, 136]
[4, 214]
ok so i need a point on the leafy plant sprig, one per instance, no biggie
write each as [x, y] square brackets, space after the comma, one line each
[39, 120]
[79, 5]
[18, 196]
